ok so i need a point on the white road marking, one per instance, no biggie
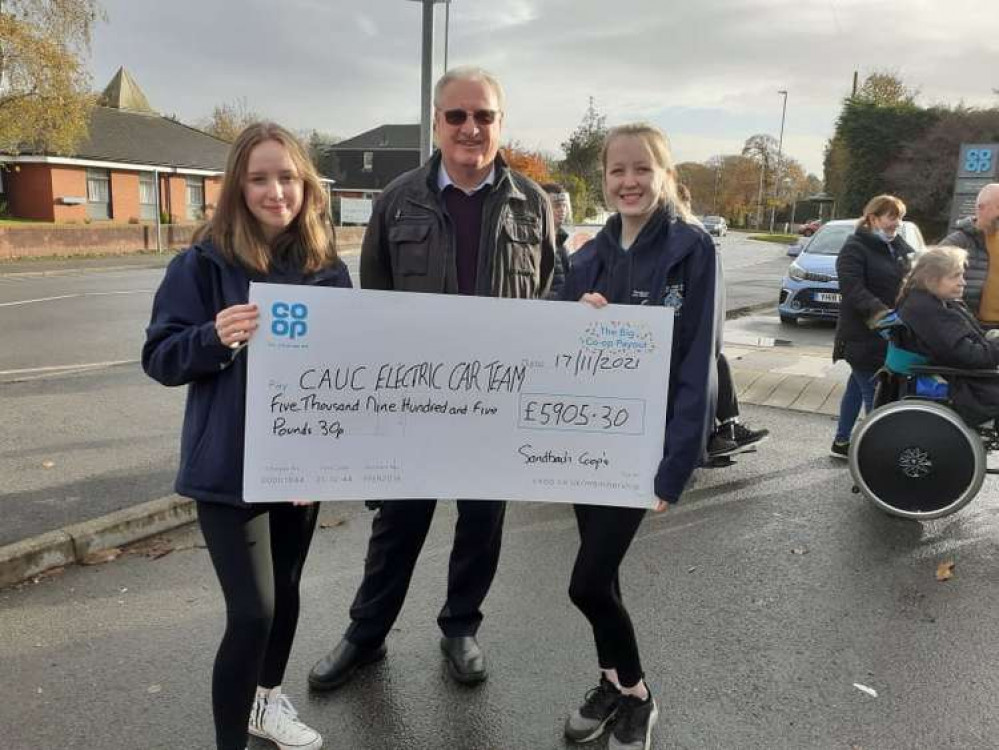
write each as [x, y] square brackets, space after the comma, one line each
[73, 296]
[68, 368]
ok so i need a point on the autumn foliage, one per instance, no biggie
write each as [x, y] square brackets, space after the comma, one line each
[529, 163]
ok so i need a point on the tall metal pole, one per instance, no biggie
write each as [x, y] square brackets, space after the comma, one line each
[780, 148]
[447, 29]
[426, 80]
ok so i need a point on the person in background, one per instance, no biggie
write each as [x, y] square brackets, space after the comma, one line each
[939, 326]
[562, 216]
[269, 225]
[729, 435]
[870, 267]
[651, 252]
[979, 235]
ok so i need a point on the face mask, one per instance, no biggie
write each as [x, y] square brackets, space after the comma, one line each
[884, 235]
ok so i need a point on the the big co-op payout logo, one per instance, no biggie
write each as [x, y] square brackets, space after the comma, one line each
[289, 322]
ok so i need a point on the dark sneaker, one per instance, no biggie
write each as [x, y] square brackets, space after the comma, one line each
[590, 720]
[633, 728]
[840, 449]
[721, 443]
[745, 437]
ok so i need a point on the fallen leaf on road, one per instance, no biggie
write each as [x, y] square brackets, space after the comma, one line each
[101, 556]
[945, 570]
[332, 523]
[48, 464]
[864, 689]
[153, 549]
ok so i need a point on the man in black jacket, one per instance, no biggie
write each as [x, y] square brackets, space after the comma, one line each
[980, 237]
[463, 223]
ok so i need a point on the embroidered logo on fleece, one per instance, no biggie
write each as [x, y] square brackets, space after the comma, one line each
[674, 297]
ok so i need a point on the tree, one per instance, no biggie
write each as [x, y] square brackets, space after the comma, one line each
[45, 96]
[530, 163]
[885, 89]
[318, 144]
[582, 161]
[763, 150]
[925, 170]
[700, 181]
[228, 120]
[871, 131]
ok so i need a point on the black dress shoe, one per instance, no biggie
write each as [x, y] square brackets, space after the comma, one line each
[339, 665]
[465, 661]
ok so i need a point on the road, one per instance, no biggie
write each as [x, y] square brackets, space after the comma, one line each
[762, 601]
[86, 432]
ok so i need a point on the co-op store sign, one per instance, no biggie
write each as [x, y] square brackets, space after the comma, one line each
[976, 167]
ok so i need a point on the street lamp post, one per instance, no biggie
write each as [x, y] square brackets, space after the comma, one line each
[426, 79]
[780, 150]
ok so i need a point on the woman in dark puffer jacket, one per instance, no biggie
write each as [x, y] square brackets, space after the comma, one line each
[870, 267]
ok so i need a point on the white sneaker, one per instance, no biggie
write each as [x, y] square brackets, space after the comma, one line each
[274, 718]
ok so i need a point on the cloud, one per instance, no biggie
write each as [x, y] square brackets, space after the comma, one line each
[706, 71]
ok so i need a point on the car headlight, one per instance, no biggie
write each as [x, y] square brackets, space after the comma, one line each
[796, 272]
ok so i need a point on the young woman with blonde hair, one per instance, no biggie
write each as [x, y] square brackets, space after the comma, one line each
[270, 225]
[651, 252]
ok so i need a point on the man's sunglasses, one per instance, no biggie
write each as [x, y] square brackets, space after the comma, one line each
[481, 116]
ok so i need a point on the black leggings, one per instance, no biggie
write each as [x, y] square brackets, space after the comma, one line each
[604, 537]
[258, 554]
[727, 408]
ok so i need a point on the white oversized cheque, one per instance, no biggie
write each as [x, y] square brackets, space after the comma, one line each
[355, 395]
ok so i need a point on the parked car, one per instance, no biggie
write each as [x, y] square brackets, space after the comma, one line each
[810, 288]
[810, 227]
[794, 250]
[715, 225]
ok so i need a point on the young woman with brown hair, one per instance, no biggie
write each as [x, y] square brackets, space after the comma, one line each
[270, 225]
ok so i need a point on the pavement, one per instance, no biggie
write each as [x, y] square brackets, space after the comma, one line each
[767, 371]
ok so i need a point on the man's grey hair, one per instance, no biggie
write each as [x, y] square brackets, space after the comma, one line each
[470, 73]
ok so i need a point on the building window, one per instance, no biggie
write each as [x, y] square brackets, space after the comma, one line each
[98, 194]
[147, 196]
[369, 160]
[195, 198]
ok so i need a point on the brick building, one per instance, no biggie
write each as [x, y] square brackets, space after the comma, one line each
[133, 162]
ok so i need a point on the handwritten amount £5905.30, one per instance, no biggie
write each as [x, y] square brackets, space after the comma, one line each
[569, 413]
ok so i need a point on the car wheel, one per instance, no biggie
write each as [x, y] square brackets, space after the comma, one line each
[788, 320]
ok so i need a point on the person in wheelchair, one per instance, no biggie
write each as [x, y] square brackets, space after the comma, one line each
[938, 325]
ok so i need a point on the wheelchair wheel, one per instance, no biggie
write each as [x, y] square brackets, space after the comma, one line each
[917, 459]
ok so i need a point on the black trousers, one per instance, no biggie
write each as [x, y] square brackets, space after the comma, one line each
[728, 405]
[258, 554]
[605, 534]
[398, 531]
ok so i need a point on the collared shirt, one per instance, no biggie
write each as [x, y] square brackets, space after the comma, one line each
[444, 179]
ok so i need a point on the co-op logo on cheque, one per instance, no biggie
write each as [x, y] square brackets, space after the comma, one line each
[618, 337]
[289, 320]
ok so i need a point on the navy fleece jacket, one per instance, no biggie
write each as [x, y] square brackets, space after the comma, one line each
[670, 263]
[183, 348]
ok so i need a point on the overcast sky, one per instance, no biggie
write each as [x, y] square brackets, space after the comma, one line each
[706, 71]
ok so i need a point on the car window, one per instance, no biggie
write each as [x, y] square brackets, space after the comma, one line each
[829, 240]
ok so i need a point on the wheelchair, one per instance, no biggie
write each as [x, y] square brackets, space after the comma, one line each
[914, 456]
